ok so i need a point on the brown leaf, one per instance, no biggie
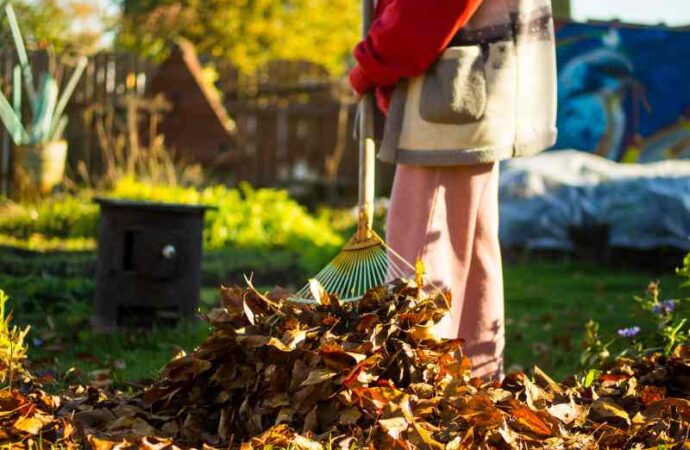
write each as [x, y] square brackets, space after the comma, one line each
[394, 426]
[606, 409]
[32, 425]
[292, 338]
[366, 322]
[12, 402]
[373, 299]
[94, 418]
[535, 422]
[569, 413]
[682, 352]
[67, 429]
[318, 376]
[651, 394]
[253, 341]
[223, 429]
[613, 378]
[248, 313]
[668, 407]
[319, 293]
[186, 368]
[154, 443]
[302, 443]
[310, 420]
[170, 428]
[536, 397]
[336, 358]
[547, 382]
[134, 425]
[219, 316]
[101, 444]
[127, 410]
[232, 297]
[349, 416]
[421, 436]
[479, 411]
[378, 399]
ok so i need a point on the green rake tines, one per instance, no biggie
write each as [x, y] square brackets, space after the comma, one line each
[359, 267]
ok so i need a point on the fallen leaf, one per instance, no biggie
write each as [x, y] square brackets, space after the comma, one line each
[394, 426]
[349, 416]
[248, 313]
[30, 425]
[569, 413]
[318, 376]
[318, 292]
[535, 422]
[606, 409]
[651, 394]
[303, 443]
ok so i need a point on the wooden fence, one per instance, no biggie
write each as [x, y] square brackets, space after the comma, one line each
[296, 125]
[294, 121]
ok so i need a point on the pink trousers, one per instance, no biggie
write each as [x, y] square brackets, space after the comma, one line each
[449, 217]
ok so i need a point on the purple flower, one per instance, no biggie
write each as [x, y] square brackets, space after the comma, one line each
[664, 308]
[629, 332]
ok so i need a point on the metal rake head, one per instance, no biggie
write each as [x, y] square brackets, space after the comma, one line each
[362, 265]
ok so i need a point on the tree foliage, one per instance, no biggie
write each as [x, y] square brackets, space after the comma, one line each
[62, 25]
[249, 33]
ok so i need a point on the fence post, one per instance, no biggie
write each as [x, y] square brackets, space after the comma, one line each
[6, 151]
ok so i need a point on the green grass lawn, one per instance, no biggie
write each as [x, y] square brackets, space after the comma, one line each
[547, 304]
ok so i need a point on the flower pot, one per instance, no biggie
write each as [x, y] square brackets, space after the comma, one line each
[41, 167]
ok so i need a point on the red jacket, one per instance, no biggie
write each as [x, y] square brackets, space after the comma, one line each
[405, 39]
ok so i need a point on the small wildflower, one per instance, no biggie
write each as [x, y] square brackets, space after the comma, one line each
[629, 332]
[664, 308]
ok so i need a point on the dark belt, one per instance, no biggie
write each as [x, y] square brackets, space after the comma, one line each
[488, 35]
[534, 26]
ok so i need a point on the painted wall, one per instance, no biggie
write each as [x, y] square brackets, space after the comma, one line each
[624, 91]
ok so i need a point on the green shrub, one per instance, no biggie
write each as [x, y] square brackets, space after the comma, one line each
[42, 243]
[243, 218]
[59, 217]
[250, 218]
[12, 346]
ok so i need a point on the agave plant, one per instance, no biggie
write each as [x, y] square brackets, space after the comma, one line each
[49, 120]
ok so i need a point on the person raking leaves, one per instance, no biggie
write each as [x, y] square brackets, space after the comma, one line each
[464, 84]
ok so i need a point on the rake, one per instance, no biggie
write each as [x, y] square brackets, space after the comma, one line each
[365, 261]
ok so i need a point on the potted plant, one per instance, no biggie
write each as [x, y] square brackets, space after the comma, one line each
[41, 150]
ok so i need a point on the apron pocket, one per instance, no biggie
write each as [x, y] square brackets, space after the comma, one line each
[454, 89]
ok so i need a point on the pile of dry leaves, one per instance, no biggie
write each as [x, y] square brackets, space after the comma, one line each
[371, 375]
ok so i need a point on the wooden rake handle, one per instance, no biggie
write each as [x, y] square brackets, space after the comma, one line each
[367, 145]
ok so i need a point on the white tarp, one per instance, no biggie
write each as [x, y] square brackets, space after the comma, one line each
[647, 206]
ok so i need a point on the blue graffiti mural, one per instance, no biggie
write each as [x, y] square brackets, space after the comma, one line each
[624, 91]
